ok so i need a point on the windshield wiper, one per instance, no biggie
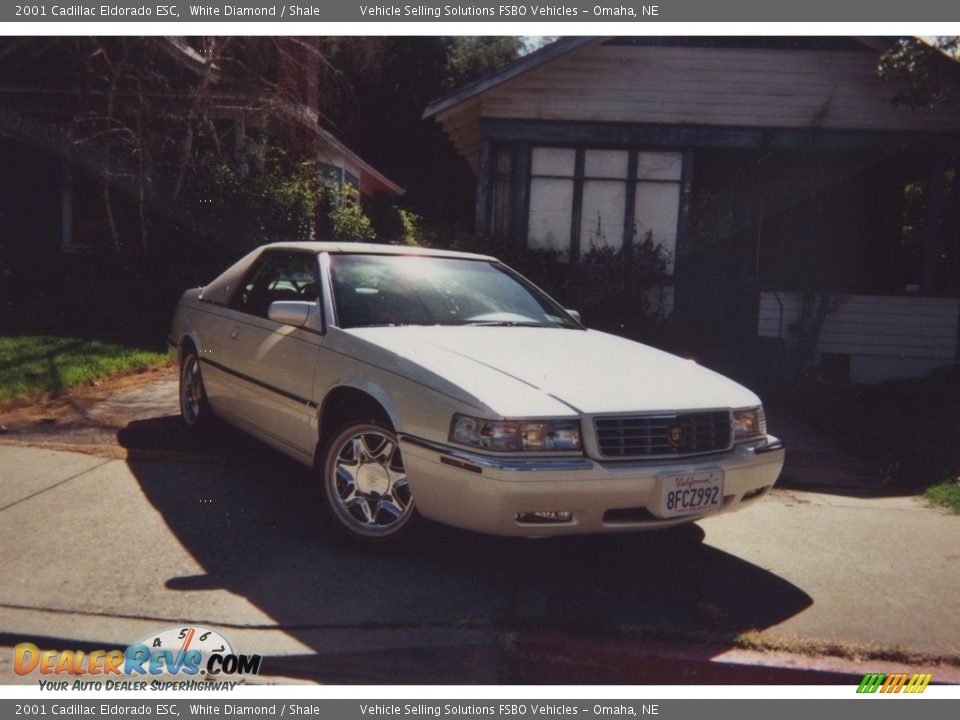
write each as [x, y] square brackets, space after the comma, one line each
[377, 325]
[505, 323]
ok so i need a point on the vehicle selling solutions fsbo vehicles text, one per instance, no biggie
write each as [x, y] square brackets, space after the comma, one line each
[511, 709]
[437, 11]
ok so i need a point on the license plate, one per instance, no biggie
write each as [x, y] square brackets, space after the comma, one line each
[690, 494]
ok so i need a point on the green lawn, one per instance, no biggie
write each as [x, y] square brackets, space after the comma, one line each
[33, 364]
[946, 494]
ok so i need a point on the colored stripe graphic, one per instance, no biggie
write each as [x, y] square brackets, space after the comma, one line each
[918, 683]
[894, 683]
[871, 682]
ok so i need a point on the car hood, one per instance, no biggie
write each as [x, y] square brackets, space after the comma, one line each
[522, 370]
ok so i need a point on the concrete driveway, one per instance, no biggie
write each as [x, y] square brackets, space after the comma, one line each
[146, 528]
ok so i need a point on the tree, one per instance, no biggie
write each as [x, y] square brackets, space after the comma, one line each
[927, 75]
[469, 58]
[170, 125]
[384, 85]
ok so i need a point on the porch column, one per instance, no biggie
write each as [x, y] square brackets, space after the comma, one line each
[682, 248]
[933, 223]
[519, 182]
[482, 211]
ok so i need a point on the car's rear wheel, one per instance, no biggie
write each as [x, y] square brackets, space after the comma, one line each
[194, 406]
[365, 484]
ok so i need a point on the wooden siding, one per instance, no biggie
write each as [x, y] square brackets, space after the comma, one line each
[892, 336]
[462, 126]
[696, 87]
[709, 86]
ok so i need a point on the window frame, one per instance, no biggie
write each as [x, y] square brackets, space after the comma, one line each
[630, 235]
[258, 264]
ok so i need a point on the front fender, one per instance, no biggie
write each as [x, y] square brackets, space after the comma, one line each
[374, 390]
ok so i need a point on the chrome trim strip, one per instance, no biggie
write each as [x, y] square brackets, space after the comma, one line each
[498, 463]
[259, 383]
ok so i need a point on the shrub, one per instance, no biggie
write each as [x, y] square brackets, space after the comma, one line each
[240, 210]
[611, 288]
[909, 430]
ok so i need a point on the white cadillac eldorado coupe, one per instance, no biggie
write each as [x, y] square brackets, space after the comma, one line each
[443, 384]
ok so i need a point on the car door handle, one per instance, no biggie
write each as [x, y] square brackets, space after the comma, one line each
[235, 333]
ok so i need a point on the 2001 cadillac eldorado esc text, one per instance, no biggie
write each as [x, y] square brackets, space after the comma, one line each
[443, 384]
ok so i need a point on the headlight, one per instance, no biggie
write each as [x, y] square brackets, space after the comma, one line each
[515, 435]
[749, 423]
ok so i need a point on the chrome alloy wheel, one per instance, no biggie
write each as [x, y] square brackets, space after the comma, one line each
[192, 396]
[365, 483]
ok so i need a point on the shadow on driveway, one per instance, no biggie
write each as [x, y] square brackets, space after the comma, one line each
[255, 524]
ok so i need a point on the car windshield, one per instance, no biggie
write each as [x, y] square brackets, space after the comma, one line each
[384, 290]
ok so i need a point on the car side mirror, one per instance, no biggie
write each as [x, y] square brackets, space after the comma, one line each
[575, 314]
[290, 312]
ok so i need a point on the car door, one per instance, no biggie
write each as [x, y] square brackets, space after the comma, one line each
[272, 364]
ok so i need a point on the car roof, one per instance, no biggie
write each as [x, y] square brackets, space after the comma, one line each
[372, 249]
[221, 289]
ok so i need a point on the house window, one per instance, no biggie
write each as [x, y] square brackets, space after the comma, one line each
[502, 173]
[549, 218]
[657, 200]
[92, 219]
[602, 198]
[344, 180]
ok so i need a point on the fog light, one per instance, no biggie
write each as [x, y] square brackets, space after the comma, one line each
[553, 516]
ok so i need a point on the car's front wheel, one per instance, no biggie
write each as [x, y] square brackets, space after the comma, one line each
[365, 484]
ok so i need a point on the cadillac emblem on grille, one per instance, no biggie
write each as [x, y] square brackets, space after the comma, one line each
[675, 435]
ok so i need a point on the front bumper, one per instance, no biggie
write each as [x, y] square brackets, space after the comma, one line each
[487, 494]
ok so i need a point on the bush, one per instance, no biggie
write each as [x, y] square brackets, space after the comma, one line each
[343, 217]
[612, 289]
[908, 429]
[242, 210]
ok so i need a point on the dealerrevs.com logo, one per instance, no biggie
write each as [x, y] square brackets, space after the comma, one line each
[198, 658]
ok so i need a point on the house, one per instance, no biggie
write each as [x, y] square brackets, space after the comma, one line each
[803, 211]
[92, 128]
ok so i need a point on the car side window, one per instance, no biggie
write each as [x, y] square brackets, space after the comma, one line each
[278, 275]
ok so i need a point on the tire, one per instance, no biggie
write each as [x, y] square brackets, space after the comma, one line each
[365, 488]
[194, 407]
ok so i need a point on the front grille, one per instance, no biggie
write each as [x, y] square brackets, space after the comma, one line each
[650, 435]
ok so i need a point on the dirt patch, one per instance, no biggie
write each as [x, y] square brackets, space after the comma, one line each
[130, 417]
[42, 407]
